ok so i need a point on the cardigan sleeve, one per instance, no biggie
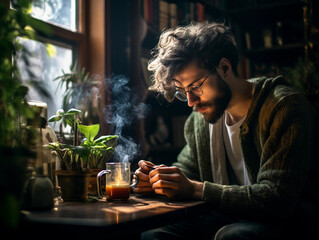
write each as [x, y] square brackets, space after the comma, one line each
[194, 159]
[285, 137]
[187, 159]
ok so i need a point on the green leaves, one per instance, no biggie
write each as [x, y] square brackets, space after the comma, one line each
[68, 117]
[90, 132]
[73, 111]
[106, 138]
[96, 149]
[55, 118]
[13, 104]
[93, 152]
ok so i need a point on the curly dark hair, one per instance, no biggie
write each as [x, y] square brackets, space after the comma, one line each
[204, 42]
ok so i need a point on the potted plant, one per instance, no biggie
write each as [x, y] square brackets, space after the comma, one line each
[14, 136]
[97, 152]
[73, 176]
[77, 161]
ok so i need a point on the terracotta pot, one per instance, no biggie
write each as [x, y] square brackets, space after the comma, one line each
[92, 188]
[74, 185]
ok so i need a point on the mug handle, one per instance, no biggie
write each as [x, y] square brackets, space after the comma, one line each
[98, 182]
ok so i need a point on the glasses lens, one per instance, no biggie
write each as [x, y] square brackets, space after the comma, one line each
[196, 91]
[181, 96]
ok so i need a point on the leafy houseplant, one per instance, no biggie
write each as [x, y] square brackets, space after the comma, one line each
[79, 159]
[14, 136]
[81, 93]
[98, 152]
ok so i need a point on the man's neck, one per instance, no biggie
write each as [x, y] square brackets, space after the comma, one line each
[242, 94]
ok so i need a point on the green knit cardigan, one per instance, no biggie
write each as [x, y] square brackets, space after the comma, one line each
[277, 140]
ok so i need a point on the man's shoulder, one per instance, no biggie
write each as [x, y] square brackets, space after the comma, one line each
[274, 94]
[266, 84]
[273, 90]
[280, 97]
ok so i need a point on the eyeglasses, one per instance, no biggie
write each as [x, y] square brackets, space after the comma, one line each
[180, 94]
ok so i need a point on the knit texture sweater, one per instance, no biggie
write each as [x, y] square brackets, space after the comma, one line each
[277, 140]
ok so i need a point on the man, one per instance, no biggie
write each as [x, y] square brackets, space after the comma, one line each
[250, 148]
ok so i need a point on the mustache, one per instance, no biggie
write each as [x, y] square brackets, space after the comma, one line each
[196, 107]
[218, 102]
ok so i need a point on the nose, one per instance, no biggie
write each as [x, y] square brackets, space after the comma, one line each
[191, 99]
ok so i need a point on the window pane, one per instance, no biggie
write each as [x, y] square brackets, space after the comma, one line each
[59, 12]
[42, 69]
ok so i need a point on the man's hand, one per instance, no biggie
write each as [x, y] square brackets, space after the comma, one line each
[170, 181]
[142, 172]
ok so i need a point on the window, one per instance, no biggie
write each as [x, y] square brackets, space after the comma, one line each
[50, 56]
[78, 36]
[42, 67]
[59, 12]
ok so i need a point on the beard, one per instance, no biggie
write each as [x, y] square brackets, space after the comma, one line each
[218, 104]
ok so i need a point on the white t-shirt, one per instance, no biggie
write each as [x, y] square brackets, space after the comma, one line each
[234, 151]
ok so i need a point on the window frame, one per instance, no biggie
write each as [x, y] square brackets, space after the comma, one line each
[90, 45]
[62, 36]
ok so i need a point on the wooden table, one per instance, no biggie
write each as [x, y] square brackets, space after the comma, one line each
[113, 219]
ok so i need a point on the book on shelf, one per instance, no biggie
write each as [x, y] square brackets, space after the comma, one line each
[164, 14]
[173, 15]
[200, 12]
[148, 10]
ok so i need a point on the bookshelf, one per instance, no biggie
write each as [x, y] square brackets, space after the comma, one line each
[162, 14]
[270, 34]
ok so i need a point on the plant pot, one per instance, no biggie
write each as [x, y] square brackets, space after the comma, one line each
[92, 188]
[74, 185]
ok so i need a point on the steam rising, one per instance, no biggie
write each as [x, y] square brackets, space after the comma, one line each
[125, 109]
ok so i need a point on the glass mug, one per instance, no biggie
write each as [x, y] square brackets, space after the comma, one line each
[118, 181]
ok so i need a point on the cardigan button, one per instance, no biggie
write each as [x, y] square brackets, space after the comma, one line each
[244, 129]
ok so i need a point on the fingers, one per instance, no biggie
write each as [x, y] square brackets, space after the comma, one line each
[174, 177]
[158, 178]
[164, 184]
[144, 166]
[165, 170]
[165, 177]
[144, 162]
[141, 175]
[144, 185]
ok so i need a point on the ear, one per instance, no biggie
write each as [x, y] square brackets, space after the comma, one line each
[225, 67]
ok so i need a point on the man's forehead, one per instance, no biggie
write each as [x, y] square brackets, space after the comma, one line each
[188, 75]
[190, 71]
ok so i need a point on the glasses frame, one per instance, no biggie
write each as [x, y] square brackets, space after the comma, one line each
[182, 94]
